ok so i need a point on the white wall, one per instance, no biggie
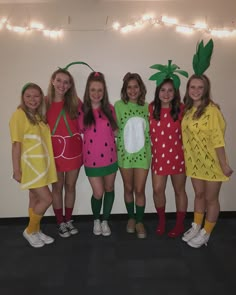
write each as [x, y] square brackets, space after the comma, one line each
[90, 38]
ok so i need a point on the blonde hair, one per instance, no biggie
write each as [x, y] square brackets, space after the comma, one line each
[71, 100]
[40, 114]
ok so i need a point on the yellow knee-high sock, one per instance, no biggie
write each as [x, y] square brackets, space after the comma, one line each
[30, 210]
[208, 226]
[198, 218]
[34, 223]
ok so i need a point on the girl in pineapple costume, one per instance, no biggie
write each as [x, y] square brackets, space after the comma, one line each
[134, 149]
[165, 115]
[203, 128]
[62, 112]
[97, 122]
[32, 158]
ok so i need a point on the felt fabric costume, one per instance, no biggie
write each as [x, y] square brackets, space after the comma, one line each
[166, 139]
[37, 161]
[66, 139]
[99, 148]
[200, 138]
[133, 141]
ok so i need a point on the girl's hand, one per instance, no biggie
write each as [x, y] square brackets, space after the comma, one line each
[17, 176]
[227, 170]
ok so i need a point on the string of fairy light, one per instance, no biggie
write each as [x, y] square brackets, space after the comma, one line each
[32, 27]
[138, 24]
[149, 19]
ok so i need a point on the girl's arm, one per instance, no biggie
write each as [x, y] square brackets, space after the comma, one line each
[220, 151]
[16, 156]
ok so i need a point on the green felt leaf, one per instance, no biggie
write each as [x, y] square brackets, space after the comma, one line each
[174, 67]
[176, 80]
[202, 57]
[158, 77]
[159, 67]
[181, 72]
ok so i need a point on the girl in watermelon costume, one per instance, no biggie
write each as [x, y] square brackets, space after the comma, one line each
[32, 159]
[134, 149]
[97, 122]
[62, 112]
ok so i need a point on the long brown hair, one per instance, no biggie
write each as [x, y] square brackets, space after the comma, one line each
[133, 76]
[205, 99]
[40, 114]
[89, 119]
[175, 103]
[71, 100]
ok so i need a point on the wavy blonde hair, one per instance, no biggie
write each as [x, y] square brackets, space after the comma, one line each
[71, 100]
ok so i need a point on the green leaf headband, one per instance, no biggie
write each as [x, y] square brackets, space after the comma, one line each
[169, 71]
[202, 57]
[77, 63]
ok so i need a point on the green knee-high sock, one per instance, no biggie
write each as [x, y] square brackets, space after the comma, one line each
[96, 207]
[139, 213]
[130, 209]
[107, 204]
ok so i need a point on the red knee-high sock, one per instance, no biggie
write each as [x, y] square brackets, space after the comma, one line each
[59, 215]
[68, 214]
[179, 226]
[162, 221]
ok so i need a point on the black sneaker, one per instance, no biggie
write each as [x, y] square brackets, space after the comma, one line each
[70, 227]
[63, 230]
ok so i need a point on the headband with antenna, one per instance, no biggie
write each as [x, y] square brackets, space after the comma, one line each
[202, 57]
[170, 71]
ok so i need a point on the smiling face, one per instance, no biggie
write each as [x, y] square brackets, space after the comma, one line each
[196, 91]
[32, 99]
[61, 85]
[166, 94]
[133, 91]
[96, 93]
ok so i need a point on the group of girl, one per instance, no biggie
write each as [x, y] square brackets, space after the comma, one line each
[146, 135]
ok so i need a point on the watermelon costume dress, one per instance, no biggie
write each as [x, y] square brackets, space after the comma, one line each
[99, 147]
[66, 139]
[133, 141]
[37, 162]
[166, 139]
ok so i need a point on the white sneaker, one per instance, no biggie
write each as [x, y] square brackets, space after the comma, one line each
[106, 231]
[192, 232]
[71, 228]
[46, 239]
[33, 239]
[97, 229]
[199, 240]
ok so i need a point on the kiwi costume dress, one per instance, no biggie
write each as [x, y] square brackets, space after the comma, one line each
[166, 139]
[66, 139]
[37, 161]
[133, 141]
[200, 139]
[99, 147]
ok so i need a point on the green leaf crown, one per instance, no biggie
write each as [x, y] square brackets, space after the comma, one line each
[170, 71]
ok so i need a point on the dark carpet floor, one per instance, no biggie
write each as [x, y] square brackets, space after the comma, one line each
[117, 265]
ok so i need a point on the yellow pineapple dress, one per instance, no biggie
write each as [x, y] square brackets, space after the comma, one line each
[37, 160]
[200, 139]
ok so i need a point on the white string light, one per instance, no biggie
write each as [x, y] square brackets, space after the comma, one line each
[167, 21]
[34, 26]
